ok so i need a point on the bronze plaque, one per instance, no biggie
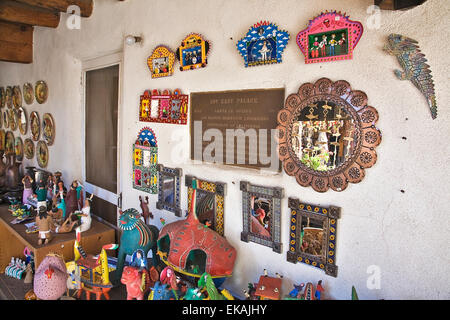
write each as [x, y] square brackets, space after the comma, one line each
[236, 127]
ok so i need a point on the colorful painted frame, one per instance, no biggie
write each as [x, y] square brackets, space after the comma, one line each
[162, 203]
[275, 195]
[328, 216]
[145, 161]
[217, 189]
[316, 48]
[161, 62]
[165, 107]
[268, 41]
[188, 53]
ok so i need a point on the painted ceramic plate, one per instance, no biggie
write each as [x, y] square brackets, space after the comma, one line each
[8, 97]
[2, 97]
[17, 97]
[28, 148]
[9, 143]
[41, 91]
[35, 126]
[28, 94]
[2, 140]
[48, 129]
[42, 154]
[5, 119]
[22, 120]
[12, 119]
[18, 147]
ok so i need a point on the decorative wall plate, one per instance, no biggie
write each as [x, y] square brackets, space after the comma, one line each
[12, 119]
[2, 97]
[327, 135]
[8, 96]
[42, 154]
[193, 52]
[313, 235]
[145, 162]
[17, 97]
[41, 91]
[22, 120]
[166, 107]
[18, 147]
[48, 129]
[35, 126]
[329, 36]
[28, 94]
[28, 148]
[2, 140]
[161, 62]
[5, 119]
[263, 44]
[9, 143]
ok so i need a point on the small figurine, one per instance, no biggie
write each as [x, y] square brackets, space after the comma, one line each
[132, 278]
[297, 291]
[86, 218]
[44, 222]
[50, 280]
[145, 210]
[68, 225]
[27, 188]
[51, 186]
[319, 290]
[71, 198]
[161, 292]
[169, 277]
[41, 194]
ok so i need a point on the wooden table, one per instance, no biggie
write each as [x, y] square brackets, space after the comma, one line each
[14, 239]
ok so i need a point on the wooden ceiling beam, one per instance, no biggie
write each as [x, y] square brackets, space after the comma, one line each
[13, 11]
[16, 42]
[86, 6]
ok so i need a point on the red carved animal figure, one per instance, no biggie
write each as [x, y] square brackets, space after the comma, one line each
[132, 278]
[145, 210]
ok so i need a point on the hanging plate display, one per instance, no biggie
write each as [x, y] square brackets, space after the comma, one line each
[28, 148]
[18, 147]
[41, 91]
[161, 62]
[2, 140]
[9, 143]
[28, 94]
[22, 120]
[12, 119]
[17, 97]
[42, 154]
[8, 97]
[328, 37]
[48, 129]
[35, 126]
[145, 162]
[263, 44]
[2, 97]
[5, 119]
[193, 52]
[166, 107]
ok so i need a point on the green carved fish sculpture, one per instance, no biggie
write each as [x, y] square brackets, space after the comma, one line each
[414, 65]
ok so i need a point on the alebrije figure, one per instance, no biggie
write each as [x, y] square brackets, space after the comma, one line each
[319, 290]
[146, 214]
[132, 278]
[44, 222]
[297, 291]
[414, 67]
[27, 188]
[169, 277]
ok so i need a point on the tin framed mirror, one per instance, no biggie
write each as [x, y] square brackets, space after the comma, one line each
[312, 238]
[327, 135]
[169, 189]
[210, 202]
[261, 212]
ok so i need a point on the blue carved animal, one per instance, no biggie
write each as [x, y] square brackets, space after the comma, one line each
[136, 235]
[161, 292]
[414, 67]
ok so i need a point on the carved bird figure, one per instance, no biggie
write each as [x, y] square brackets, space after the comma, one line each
[414, 67]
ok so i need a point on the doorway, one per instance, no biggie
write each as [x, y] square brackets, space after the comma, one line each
[101, 159]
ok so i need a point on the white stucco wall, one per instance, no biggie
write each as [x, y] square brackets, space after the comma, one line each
[405, 234]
